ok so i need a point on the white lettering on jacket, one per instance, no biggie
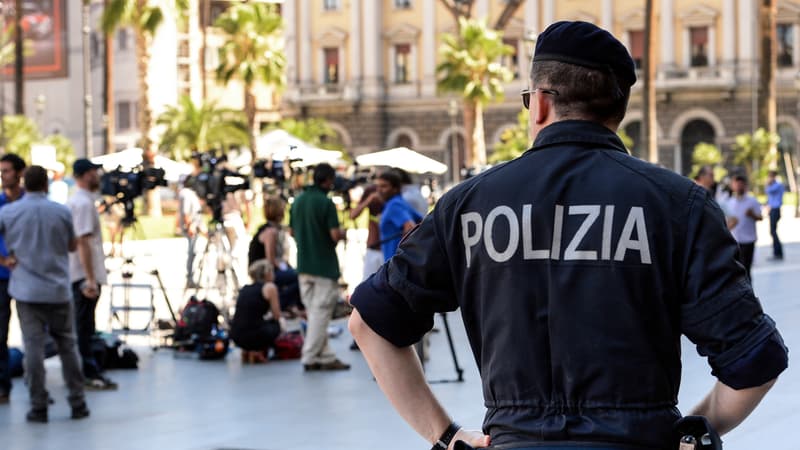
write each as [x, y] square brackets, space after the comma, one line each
[518, 227]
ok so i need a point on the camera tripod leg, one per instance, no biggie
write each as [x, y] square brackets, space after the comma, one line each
[164, 293]
[459, 370]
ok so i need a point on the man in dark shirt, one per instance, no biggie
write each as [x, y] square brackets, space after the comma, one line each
[315, 227]
[11, 169]
[576, 268]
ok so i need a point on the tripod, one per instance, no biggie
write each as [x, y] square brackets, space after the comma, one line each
[120, 312]
[419, 347]
[225, 280]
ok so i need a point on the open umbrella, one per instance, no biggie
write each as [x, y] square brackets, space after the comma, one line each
[132, 157]
[403, 158]
[280, 145]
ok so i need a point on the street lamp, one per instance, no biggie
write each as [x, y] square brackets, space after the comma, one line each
[452, 111]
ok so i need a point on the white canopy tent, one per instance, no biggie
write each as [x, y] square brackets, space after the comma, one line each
[280, 145]
[403, 158]
[132, 157]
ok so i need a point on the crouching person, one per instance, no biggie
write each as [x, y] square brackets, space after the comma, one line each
[40, 234]
[250, 329]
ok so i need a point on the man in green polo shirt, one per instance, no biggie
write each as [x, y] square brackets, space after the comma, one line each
[315, 227]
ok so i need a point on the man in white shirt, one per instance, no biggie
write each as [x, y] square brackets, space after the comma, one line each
[87, 267]
[747, 211]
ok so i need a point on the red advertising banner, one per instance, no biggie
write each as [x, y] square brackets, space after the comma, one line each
[45, 36]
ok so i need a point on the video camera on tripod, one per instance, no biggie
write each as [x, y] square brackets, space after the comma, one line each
[276, 170]
[216, 180]
[126, 185]
[342, 185]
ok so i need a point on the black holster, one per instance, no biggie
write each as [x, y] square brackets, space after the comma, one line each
[695, 433]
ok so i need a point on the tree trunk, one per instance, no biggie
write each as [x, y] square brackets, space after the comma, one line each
[469, 135]
[250, 112]
[108, 88]
[478, 138]
[767, 108]
[650, 124]
[152, 198]
[19, 61]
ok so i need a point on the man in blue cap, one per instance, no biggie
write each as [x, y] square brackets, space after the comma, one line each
[576, 267]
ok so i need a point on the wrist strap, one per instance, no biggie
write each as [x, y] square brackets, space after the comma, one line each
[446, 437]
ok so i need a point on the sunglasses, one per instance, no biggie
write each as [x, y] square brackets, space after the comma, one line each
[526, 95]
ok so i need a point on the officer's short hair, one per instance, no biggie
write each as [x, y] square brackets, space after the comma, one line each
[16, 162]
[591, 71]
[35, 179]
[323, 172]
[391, 176]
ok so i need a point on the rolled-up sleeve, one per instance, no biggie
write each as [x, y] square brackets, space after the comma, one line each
[399, 301]
[721, 315]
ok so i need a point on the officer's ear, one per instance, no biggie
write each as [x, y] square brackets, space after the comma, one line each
[543, 112]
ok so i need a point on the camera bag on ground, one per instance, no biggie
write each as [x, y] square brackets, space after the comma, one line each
[288, 345]
[15, 358]
[111, 353]
[198, 330]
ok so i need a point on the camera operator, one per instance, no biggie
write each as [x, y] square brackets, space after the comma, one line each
[371, 201]
[87, 267]
[190, 220]
[576, 267]
[235, 216]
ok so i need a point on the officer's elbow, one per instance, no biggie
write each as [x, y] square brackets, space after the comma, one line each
[358, 328]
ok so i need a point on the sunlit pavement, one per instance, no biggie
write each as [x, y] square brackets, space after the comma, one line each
[177, 402]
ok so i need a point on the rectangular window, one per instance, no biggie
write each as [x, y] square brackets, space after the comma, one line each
[636, 41]
[330, 5]
[785, 36]
[698, 37]
[331, 65]
[511, 62]
[402, 4]
[123, 116]
[402, 62]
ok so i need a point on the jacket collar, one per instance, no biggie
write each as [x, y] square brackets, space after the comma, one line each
[578, 132]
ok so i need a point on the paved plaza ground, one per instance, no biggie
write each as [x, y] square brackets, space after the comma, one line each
[177, 402]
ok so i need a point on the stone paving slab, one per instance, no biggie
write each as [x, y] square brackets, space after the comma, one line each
[178, 402]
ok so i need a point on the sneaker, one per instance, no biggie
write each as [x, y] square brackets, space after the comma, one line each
[37, 415]
[100, 383]
[354, 346]
[325, 367]
[80, 412]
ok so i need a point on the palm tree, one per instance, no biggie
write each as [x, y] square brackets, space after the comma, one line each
[470, 66]
[199, 128]
[144, 19]
[252, 52]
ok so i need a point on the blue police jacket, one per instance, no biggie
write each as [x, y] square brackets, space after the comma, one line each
[577, 267]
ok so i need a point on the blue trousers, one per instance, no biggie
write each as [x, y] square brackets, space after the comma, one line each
[774, 217]
[5, 317]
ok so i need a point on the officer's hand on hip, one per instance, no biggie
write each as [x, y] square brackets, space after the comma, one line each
[475, 439]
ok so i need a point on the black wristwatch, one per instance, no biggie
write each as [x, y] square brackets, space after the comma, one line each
[446, 437]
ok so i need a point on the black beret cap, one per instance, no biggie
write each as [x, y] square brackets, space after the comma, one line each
[585, 44]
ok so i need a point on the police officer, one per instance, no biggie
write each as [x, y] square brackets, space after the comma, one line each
[576, 268]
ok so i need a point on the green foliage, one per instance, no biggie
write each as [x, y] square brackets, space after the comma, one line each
[254, 48]
[137, 14]
[191, 127]
[21, 133]
[706, 154]
[315, 131]
[627, 141]
[514, 141]
[752, 151]
[469, 62]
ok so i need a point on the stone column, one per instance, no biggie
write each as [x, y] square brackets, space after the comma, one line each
[429, 48]
[607, 21]
[373, 48]
[304, 37]
[747, 15]
[549, 12]
[355, 80]
[289, 12]
[481, 10]
[531, 18]
[667, 34]
[728, 32]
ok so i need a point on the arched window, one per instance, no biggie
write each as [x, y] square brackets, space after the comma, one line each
[634, 131]
[695, 132]
[403, 140]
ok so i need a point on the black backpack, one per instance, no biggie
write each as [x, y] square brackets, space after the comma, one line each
[198, 318]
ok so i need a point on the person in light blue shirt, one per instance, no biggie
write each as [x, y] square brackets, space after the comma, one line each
[398, 217]
[775, 191]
